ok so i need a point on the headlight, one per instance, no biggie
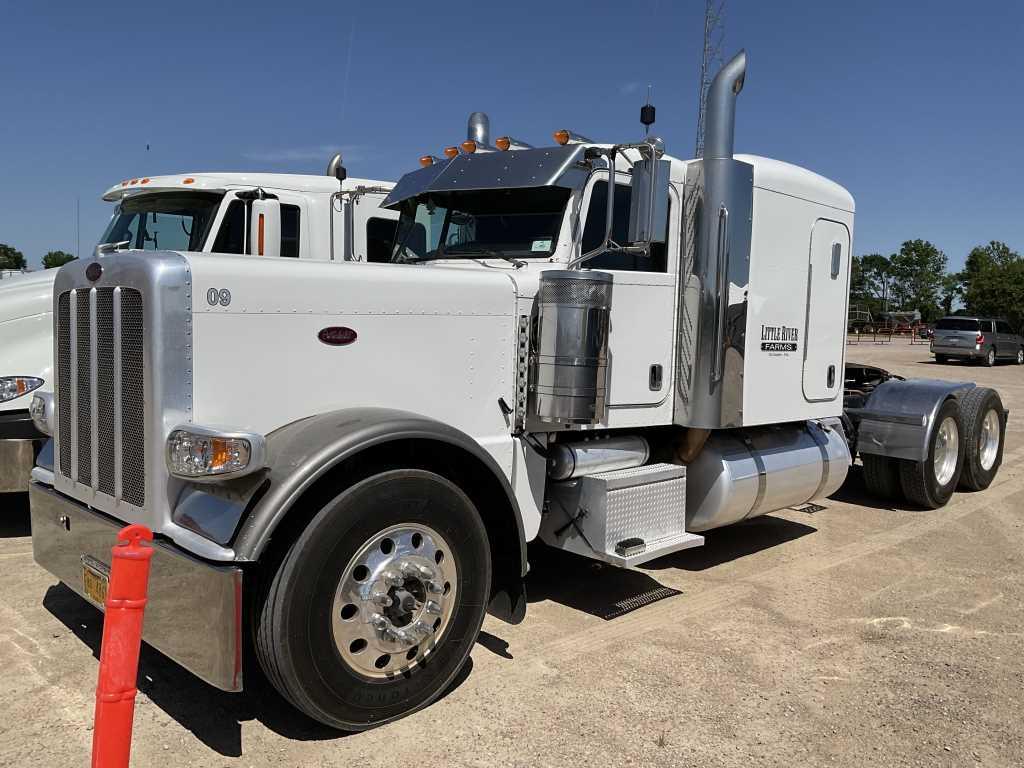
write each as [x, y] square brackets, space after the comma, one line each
[16, 386]
[41, 411]
[198, 453]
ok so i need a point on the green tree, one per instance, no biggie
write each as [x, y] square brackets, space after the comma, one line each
[11, 257]
[869, 282]
[56, 259]
[952, 289]
[917, 273]
[993, 282]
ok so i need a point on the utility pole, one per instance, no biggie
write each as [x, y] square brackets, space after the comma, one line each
[711, 60]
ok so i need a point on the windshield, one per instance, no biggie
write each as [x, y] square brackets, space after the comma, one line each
[168, 221]
[506, 222]
[957, 324]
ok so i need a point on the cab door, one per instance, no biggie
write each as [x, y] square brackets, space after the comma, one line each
[828, 275]
[642, 312]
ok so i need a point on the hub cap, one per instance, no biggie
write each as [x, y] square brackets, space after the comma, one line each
[394, 600]
[988, 439]
[947, 448]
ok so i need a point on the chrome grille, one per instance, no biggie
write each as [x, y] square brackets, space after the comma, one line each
[101, 436]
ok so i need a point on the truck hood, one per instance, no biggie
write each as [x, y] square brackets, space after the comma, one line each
[27, 295]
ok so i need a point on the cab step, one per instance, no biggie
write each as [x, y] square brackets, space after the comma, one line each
[624, 517]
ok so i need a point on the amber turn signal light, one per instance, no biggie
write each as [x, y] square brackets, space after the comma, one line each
[503, 143]
[451, 152]
[469, 146]
[426, 160]
[561, 137]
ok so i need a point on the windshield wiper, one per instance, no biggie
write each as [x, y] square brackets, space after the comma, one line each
[518, 263]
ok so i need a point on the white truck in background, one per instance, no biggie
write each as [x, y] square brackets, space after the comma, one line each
[595, 345]
[309, 216]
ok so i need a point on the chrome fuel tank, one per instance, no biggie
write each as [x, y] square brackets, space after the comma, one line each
[743, 473]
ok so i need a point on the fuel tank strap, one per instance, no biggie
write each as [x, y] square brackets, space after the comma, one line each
[813, 429]
[762, 475]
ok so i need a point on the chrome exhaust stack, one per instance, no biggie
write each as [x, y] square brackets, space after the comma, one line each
[712, 325]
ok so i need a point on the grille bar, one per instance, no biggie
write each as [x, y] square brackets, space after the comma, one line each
[103, 392]
[73, 382]
[116, 399]
[83, 385]
[94, 471]
[63, 381]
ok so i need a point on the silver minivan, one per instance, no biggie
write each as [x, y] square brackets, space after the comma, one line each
[976, 338]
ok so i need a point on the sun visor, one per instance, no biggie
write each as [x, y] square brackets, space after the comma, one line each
[545, 167]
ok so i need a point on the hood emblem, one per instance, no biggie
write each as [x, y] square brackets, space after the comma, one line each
[337, 336]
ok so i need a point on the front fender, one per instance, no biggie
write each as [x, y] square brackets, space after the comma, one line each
[898, 418]
[299, 454]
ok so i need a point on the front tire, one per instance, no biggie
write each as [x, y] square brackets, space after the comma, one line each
[931, 483]
[984, 435]
[376, 606]
[990, 357]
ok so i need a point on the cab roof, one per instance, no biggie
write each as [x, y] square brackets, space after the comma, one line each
[222, 182]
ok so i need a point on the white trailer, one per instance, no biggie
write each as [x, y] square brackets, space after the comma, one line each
[598, 346]
[315, 216]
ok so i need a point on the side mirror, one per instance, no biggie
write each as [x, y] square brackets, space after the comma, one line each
[265, 228]
[648, 206]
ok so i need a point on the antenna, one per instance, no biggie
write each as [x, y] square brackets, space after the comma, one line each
[711, 60]
[647, 113]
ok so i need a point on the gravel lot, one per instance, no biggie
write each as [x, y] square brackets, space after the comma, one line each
[857, 635]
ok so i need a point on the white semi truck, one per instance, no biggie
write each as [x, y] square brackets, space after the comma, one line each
[314, 218]
[598, 346]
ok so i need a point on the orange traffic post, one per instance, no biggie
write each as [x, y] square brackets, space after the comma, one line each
[119, 651]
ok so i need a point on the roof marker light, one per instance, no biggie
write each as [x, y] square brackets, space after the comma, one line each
[469, 146]
[451, 152]
[505, 143]
[134, 181]
[426, 160]
[564, 137]
[189, 180]
[144, 181]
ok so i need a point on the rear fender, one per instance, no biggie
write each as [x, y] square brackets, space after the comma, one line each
[898, 418]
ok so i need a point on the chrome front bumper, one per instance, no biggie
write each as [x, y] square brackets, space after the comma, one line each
[194, 613]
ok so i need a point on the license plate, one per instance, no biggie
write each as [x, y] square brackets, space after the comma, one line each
[95, 584]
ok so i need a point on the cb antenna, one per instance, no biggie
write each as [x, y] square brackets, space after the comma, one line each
[647, 114]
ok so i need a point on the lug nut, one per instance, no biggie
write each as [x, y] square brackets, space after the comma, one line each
[392, 578]
[382, 599]
[435, 587]
[432, 606]
[378, 622]
[424, 629]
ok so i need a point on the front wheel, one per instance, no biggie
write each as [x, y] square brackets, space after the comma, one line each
[930, 483]
[990, 358]
[377, 604]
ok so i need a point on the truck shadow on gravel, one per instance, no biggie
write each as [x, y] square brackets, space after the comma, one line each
[608, 592]
[211, 715]
[14, 518]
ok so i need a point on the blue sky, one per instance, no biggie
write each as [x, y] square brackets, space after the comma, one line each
[917, 108]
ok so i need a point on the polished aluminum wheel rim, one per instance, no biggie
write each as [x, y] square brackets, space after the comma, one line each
[947, 449]
[988, 439]
[394, 600]
[1020, 357]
